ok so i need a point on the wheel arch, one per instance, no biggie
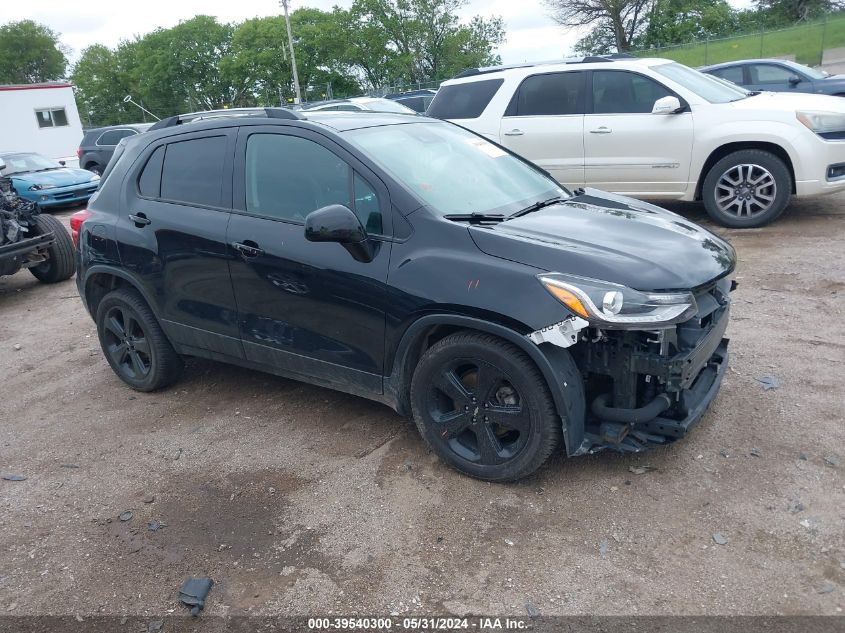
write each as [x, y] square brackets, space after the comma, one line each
[729, 148]
[100, 280]
[555, 364]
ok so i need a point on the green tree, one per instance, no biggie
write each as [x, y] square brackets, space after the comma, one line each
[423, 39]
[680, 21]
[30, 52]
[102, 78]
[623, 19]
[786, 12]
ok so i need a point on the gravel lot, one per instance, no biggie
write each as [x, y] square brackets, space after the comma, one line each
[299, 500]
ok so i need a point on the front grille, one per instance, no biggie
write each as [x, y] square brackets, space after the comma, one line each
[712, 302]
[66, 195]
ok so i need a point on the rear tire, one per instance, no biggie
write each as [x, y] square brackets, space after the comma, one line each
[484, 408]
[61, 260]
[133, 342]
[95, 169]
[747, 189]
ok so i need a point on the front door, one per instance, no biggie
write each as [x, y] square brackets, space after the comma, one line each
[544, 123]
[304, 308]
[629, 150]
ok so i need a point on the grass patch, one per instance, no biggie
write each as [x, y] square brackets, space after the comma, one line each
[806, 42]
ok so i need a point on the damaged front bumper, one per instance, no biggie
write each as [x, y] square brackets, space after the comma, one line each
[644, 388]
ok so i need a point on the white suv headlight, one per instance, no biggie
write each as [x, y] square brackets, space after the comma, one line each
[822, 122]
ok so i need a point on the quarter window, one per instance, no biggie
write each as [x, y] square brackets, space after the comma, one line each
[288, 177]
[549, 94]
[619, 92]
[149, 182]
[192, 171]
[464, 101]
[54, 117]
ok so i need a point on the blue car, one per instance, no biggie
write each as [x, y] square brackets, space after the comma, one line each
[778, 75]
[46, 182]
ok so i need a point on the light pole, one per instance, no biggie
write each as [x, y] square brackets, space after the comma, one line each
[284, 5]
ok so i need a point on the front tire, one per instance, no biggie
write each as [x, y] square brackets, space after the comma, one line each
[133, 342]
[747, 189]
[60, 263]
[484, 408]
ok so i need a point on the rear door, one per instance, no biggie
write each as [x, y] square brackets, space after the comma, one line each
[627, 149]
[307, 308]
[172, 237]
[544, 122]
[734, 74]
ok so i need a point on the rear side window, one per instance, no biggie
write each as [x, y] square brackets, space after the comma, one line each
[734, 74]
[464, 101]
[549, 94]
[193, 171]
[149, 182]
[112, 137]
[620, 92]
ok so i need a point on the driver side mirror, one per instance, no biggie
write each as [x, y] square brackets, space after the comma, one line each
[337, 223]
[62, 163]
[666, 105]
[794, 80]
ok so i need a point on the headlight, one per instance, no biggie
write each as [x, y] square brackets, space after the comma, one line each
[40, 187]
[822, 122]
[614, 306]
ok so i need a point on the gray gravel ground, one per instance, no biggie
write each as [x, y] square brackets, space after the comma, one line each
[300, 500]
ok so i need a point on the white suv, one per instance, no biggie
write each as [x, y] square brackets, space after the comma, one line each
[653, 128]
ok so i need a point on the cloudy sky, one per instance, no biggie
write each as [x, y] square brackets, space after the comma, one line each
[531, 34]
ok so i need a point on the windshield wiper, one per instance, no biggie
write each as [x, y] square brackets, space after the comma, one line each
[475, 216]
[536, 207]
[45, 169]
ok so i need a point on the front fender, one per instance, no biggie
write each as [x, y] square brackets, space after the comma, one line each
[557, 366]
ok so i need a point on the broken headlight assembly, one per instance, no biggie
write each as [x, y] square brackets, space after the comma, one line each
[613, 306]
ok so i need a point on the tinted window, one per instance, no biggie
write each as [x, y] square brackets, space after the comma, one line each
[112, 137]
[769, 74]
[149, 182]
[193, 171]
[549, 94]
[616, 92]
[734, 74]
[464, 101]
[288, 177]
[415, 103]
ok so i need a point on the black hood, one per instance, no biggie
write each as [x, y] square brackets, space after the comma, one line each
[612, 238]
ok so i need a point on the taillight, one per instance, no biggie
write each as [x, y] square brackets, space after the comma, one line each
[79, 152]
[76, 221]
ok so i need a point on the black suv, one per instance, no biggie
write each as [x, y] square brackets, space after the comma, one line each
[97, 145]
[409, 261]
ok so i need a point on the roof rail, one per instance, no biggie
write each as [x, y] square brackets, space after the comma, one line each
[227, 113]
[589, 59]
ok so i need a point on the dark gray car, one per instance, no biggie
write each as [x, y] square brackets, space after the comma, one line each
[97, 146]
[778, 75]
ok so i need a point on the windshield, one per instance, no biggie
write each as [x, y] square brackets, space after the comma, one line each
[812, 73]
[707, 87]
[453, 171]
[23, 163]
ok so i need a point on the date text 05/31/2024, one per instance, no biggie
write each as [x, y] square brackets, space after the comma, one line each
[419, 624]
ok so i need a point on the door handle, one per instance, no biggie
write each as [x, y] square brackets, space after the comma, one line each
[247, 248]
[601, 130]
[140, 219]
[514, 133]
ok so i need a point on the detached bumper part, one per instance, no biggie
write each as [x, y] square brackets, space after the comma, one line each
[637, 436]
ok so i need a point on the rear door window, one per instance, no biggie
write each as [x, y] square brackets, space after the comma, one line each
[549, 94]
[464, 101]
[734, 74]
[192, 171]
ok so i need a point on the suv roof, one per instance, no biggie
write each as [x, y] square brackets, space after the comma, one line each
[601, 61]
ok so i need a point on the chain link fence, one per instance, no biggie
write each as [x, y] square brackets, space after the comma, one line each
[812, 43]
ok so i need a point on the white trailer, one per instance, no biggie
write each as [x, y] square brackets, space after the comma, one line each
[40, 118]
